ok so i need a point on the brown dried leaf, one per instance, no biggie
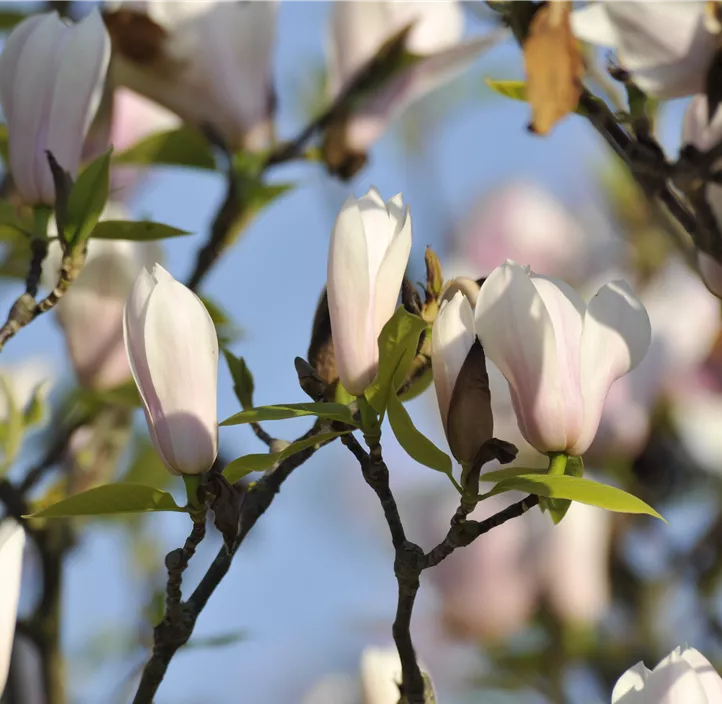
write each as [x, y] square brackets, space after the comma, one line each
[554, 66]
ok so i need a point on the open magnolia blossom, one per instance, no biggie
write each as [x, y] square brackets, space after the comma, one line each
[209, 62]
[51, 80]
[667, 47]
[359, 29]
[460, 379]
[172, 347]
[369, 250]
[558, 355]
[12, 542]
[685, 676]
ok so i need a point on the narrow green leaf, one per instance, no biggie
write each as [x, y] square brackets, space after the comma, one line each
[218, 641]
[139, 231]
[516, 90]
[35, 407]
[417, 445]
[330, 411]
[110, 499]
[9, 18]
[397, 348]
[184, 146]
[124, 395]
[261, 462]
[579, 489]
[146, 466]
[14, 430]
[12, 223]
[243, 385]
[499, 475]
[226, 327]
[87, 200]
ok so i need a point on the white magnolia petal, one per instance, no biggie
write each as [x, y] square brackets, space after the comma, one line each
[378, 229]
[12, 542]
[372, 118]
[82, 65]
[517, 334]
[380, 675]
[349, 300]
[31, 100]
[592, 24]
[452, 337]
[665, 45]
[629, 687]
[566, 310]
[182, 353]
[390, 275]
[134, 316]
[709, 677]
[615, 338]
[674, 681]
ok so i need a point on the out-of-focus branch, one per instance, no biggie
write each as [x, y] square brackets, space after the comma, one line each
[167, 641]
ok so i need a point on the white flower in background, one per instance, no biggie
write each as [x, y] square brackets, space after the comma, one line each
[210, 64]
[51, 80]
[91, 311]
[685, 676]
[368, 253]
[575, 565]
[358, 32]
[559, 355]
[12, 542]
[380, 675]
[667, 47]
[172, 347]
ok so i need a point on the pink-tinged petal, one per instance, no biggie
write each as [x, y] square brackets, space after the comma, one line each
[12, 542]
[182, 355]
[629, 687]
[349, 301]
[452, 337]
[372, 118]
[82, 66]
[592, 24]
[31, 101]
[378, 229]
[390, 275]
[517, 334]
[615, 337]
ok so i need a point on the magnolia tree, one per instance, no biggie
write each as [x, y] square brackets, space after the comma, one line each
[545, 340]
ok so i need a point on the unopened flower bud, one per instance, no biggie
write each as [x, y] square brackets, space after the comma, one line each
[12, 542]
[173, 352]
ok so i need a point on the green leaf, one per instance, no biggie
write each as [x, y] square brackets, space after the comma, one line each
[140, 231]
[218, 641]
[146, 467]
[124, 395]
[9, 18]
[398, 342]
[110, 499]
[579, 489]
[261, 462]
[87, 200]
[329, 411]
[418, 446]
[243, 385]
[184, 146]
[35, 407]
[499, 475]
[14, 430]
[12, 223]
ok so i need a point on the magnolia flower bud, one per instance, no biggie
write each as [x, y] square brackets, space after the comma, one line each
[460, 379]
[12, 542]
[209, 62]
[559, 355]
[683, 676]
[172, 347]
[370, 247]
[51, 81]
[667, 47]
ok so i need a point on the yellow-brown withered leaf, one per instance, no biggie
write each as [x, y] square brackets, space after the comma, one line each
[554, 66]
